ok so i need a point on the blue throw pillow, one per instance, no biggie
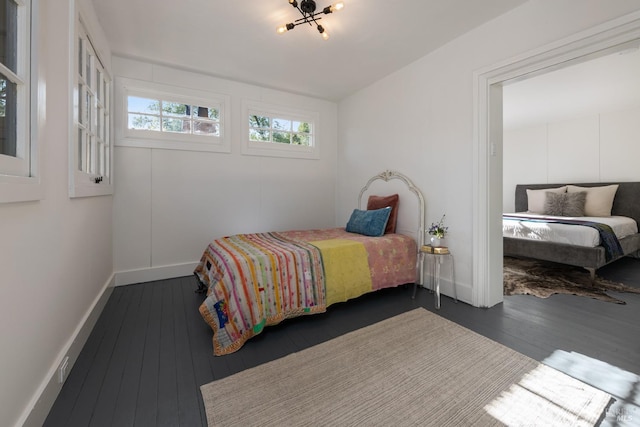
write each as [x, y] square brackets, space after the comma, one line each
[369, 223]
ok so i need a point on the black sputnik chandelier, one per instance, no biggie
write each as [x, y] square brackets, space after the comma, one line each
[309, 16]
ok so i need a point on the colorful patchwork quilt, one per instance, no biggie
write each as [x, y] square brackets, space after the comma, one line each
[256, 280]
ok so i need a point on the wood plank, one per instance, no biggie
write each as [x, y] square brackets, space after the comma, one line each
[147, 408]
[170, 353]
[188, 392]
[127, 400]
[167, 376]
[107, 398]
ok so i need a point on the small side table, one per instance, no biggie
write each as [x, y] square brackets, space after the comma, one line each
[434, 258]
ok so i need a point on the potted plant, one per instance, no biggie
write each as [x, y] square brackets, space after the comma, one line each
[438, 231]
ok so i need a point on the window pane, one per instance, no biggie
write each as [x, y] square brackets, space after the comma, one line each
[143, 105]
[299, 139]
[88, 105]
[206, 128]
[82, 107]
[8, 34]
[98, 159]
[259, 135]
[81, 149]
[281, 124]
[143, 122]
[103, 124]
[99, 85]
[100, 124]
[211, 113]
[258, 121]
[87, 63]
[176, 125]
[107, 121]
[214, 114]
[80, 56]
[282, 137]
[103, 161]
[8, 101]
[89, 154]
[302, 127]
[175, 109]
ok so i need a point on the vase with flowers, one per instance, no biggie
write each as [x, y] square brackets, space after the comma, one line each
[438, 231]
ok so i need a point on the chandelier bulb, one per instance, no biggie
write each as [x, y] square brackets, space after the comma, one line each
[323, 33]
[333, 8]
[284, 28]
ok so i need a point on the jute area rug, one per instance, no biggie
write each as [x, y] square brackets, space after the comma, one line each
[413, 369]
[543, 279]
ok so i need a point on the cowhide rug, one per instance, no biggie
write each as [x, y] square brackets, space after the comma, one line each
[543, 279]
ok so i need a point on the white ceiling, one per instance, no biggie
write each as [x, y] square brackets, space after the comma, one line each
[234, 39]
[605, 84]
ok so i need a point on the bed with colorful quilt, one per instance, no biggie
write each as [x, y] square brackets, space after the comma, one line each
[585, 225]
[255, 280]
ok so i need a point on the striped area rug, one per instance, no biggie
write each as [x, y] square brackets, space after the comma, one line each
[413, 369]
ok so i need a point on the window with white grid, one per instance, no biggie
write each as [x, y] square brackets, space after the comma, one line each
[175, 118]
[19, 170]
[279, 131]
[91, 150]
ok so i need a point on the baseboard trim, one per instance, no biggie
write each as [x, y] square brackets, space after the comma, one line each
[463, 291]
[36, 412]
[150, 274]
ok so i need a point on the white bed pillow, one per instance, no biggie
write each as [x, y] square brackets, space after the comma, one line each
[536, 198]
[599, 199]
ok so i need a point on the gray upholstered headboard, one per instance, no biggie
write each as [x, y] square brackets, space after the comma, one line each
[626, 202]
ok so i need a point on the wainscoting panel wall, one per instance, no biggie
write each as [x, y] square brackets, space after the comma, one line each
[170, 203]
[595, 148]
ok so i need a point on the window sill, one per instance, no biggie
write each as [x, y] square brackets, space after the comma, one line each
[81, 185]
[15, 189]
[93, 190]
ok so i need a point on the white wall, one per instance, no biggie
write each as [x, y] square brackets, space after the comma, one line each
[595, 148]
[170, 204]
[56, 253]
[419, 119]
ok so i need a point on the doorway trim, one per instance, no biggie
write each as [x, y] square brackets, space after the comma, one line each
[611, 36]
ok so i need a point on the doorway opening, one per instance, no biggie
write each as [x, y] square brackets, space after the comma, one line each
[617, 35]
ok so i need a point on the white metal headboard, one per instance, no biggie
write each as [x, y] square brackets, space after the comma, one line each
[389, 175]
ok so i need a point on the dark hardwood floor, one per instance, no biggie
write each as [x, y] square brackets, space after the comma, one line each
[150, 349]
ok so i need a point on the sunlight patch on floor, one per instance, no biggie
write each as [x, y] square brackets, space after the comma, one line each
[623, 385]
[547, 397]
